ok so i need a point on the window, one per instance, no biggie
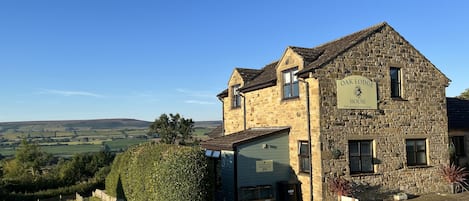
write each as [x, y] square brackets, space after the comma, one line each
[416, 152]
[303, 156]
[395, 82]
[458, 143]
[361, 156]
[236, 97]
[290, 83]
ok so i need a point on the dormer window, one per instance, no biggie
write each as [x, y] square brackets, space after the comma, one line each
[236, 101]
[290, 83]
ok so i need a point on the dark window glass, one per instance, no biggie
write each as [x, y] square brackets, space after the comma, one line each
[303, 156]
[395, 82]
[236, 97]
[458, 143]
[416, 151]
[290, 83]
[361, 156]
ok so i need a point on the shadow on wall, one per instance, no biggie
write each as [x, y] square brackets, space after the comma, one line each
[120, 190]
[366, 192]
[258, 178]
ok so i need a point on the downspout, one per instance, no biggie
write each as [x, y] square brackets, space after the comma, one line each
[222, 115]
[308, 118]
[244, 109]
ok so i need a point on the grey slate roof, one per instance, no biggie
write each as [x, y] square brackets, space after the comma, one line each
[248, 74]
[267, 77]
[230, 142]
[331, 50]
[314, 58]
[458, 114]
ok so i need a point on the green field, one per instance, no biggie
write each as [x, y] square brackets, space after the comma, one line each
[69, 150]
[65, 138]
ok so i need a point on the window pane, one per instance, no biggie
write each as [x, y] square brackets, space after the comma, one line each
[216, 154]
[303, 148]
[353, 148]
[354, 164]
[304, 164]
[420, 145]
[295, 89]
[458, 142]
[295, 79]
[208, 153]
[410, 145]
[395, 91]
[286, 78]
[410, 158]
[395, 82]
[367, 164]
[286, 91]
[394, 74]
[365, 148]
[421, 158]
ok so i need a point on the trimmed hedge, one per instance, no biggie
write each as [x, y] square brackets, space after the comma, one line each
[82, 188]
[153, 171]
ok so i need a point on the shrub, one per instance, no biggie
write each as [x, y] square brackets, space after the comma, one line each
[340, 186]
[454, 174]
[82, 188]
[154, 171]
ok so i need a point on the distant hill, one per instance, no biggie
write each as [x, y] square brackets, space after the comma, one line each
[114, 124]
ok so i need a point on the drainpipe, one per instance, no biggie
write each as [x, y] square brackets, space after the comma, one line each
[222, 116]
[244, 109]
[308, 118]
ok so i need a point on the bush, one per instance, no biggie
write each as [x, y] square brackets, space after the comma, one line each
[154, 171]
[454, 174]
[82, 188]
[340, 186]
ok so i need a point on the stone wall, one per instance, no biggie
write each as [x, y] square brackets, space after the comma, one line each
[420, 114]
[233, 119]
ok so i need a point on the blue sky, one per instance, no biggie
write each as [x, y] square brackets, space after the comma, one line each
[90, 59]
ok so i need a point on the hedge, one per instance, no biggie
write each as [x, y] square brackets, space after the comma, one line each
[82, 188]
[154, 171]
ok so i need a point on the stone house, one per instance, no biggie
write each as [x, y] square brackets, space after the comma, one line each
[370, 107]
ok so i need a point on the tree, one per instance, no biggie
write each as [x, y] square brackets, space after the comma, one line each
[172, 127]
[464, 95]
[29, 158]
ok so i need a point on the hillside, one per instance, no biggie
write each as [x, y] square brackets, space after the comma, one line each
[76, 136]
[80, 125]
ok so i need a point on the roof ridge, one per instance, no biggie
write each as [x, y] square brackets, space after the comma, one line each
[343, 44]
[376, 26]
